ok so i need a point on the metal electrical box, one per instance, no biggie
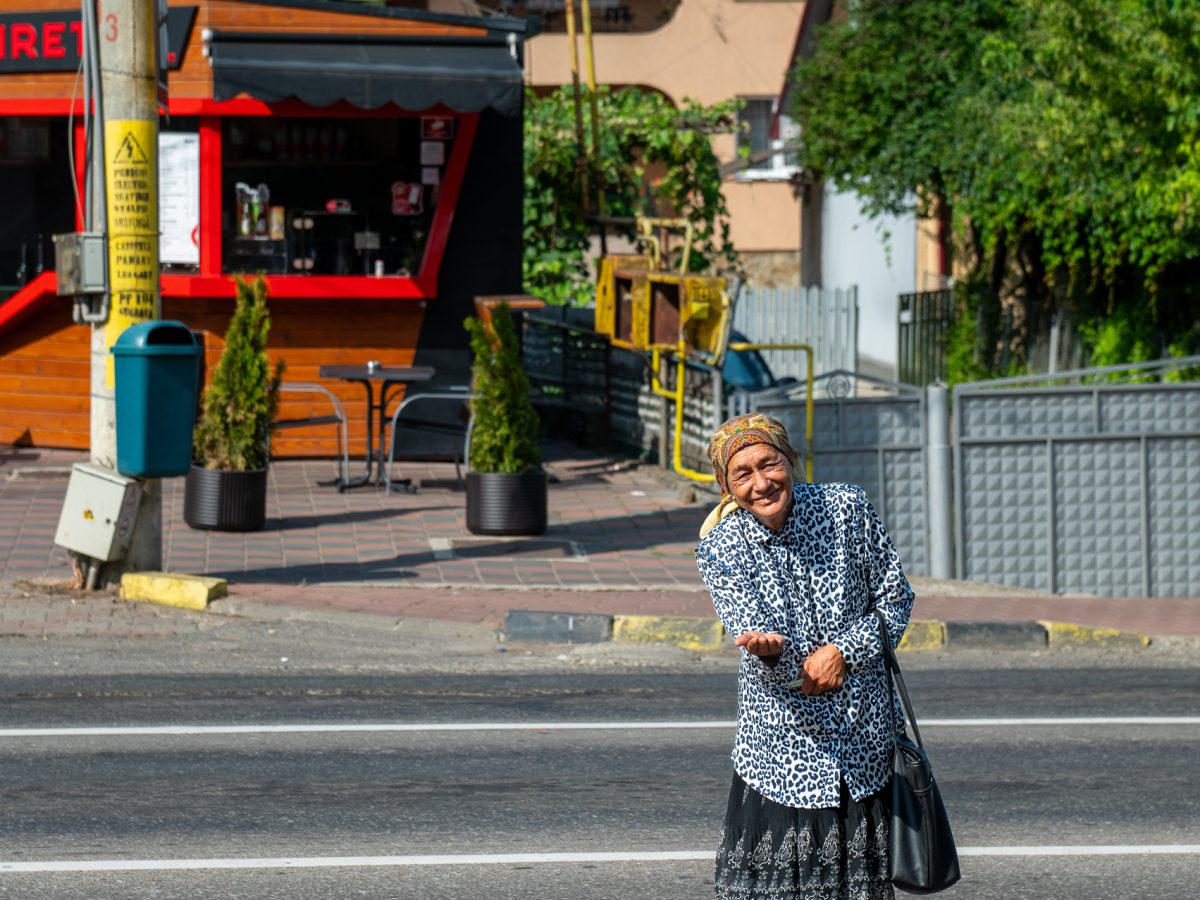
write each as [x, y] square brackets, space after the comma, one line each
[81, 262]
[98, 512]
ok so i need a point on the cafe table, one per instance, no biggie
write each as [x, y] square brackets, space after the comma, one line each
[388, 378]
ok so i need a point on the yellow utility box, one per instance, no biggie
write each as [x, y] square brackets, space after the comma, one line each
[606, 290]
[707, 317]
[693, 309]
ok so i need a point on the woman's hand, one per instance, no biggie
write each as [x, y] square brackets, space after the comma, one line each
[824, 670]
[764, 644]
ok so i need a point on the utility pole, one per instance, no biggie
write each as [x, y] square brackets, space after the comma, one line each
[128, 151]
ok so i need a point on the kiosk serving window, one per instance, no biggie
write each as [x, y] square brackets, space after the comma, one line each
[331, 196]
[39, 201]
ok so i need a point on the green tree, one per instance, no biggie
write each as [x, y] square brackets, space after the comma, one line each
[505, 434]
[1063, 136]
[656, 159]
[240, 402]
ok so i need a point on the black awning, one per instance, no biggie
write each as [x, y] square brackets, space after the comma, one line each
[415, 77]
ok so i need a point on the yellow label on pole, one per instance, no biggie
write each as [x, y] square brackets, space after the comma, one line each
[131, 178]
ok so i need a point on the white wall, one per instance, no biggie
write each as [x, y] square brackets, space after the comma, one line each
[878, 255]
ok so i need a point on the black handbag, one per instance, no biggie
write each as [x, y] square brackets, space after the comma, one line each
[922, 857]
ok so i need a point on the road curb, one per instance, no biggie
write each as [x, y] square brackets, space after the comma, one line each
[557, 627]
[923, 634]
[701, 633]
[170, 589]
[1065, 634]
[688, 632]
[996, 635]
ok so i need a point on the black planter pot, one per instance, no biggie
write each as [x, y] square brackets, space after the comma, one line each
[506, 504]
[221, 500]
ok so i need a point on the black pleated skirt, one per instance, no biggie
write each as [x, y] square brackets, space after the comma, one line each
[770, 851]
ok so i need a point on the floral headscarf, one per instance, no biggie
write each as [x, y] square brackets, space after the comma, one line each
[737, 434]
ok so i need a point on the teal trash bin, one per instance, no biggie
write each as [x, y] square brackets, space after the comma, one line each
[157, 365]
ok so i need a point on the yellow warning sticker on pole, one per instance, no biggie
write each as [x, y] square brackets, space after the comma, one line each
[131, 178]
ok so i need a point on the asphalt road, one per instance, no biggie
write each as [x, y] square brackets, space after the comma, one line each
[368, 801]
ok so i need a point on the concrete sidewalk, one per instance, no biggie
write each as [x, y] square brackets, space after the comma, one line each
[619, 543]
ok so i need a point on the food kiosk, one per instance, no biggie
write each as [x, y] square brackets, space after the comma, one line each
[367, 159]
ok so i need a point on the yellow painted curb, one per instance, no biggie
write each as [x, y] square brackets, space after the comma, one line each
[183, 591]
[1064, 634]
[923, 635]
[688, 632]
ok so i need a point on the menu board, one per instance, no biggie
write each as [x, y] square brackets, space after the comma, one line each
[179, 198]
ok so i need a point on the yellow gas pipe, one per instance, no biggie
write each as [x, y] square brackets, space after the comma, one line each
[676, 396]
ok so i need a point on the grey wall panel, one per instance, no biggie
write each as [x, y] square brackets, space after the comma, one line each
[1174, 489]
[1098, 517]
[1026, 414]
[1126, 483]
[907, 522]
[855, 467]
[1149, 411]
[867, 423]
[1006, 514]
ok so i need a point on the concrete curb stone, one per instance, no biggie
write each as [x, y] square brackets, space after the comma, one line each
[923, 635]
[686, 632]
[1064, 634]
[996, 635]
[193, 592]
[700, 633]
[557, 627]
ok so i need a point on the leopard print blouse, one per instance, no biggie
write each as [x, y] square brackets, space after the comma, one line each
[815, 581]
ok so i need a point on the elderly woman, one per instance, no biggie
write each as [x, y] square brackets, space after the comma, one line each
[795, 571]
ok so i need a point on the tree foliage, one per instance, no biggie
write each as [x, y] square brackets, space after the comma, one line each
[239, 403]
[656, 159]
[505, 434]
[1063, 136]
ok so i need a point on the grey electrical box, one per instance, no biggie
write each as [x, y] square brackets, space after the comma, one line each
[98, 513]
[81, 260]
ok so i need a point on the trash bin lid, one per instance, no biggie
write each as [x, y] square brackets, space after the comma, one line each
[158, 338]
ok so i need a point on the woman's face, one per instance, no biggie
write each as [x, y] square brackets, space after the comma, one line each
[760, 479]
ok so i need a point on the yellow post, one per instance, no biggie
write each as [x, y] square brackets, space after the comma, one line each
[585, 10]
[580, 143]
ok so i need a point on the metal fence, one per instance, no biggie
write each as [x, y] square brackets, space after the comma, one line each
[878, 443]
[825, 318]
[923, 320]
[1088, 488]
[1069, 488]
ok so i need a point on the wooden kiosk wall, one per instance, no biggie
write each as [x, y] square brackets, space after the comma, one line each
[44, 356]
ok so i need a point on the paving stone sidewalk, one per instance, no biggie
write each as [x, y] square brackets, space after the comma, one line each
[611, 525]
[619, 543]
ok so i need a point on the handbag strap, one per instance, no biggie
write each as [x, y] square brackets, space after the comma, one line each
[896, 680]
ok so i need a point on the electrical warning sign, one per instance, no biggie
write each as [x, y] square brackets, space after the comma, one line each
[131, 175]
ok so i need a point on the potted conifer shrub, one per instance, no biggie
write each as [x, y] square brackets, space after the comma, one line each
[226, 489]
[506, 485]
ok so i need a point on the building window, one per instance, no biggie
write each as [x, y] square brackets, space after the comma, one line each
[755, 143]
[368, 211]
[39, 201]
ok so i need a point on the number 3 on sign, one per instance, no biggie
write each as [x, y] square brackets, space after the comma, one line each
[111, 21]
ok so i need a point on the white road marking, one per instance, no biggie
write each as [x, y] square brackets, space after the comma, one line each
[328, 862]
[350, 727]
[1085, 850]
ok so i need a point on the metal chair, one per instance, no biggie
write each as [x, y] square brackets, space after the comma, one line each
[455, 393]
[337, 418]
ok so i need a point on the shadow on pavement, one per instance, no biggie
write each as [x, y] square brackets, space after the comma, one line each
[315, 521]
